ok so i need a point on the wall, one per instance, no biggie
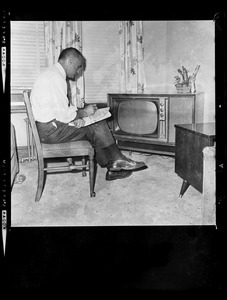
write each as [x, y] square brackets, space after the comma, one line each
[101, 49]
[17, 120]
[18, 116]
[171, 44]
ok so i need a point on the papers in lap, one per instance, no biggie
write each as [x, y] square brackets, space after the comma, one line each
[100, 114]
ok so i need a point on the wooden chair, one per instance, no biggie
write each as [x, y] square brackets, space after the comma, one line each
[69, 150]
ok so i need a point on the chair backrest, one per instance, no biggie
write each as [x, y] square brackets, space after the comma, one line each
[32, 121]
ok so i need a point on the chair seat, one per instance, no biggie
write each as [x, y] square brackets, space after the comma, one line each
[67, 149]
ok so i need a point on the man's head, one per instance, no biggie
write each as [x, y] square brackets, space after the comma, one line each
[73, 62]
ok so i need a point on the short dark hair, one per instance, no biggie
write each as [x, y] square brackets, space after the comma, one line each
[72, 52]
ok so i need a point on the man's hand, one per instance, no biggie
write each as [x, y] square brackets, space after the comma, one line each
[90, 109]
[79, 123]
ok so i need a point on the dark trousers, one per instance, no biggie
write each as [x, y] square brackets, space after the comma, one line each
[98, 134]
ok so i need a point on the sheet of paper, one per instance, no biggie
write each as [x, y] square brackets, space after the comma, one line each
[100, 114]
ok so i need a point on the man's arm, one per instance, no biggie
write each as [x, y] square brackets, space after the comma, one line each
[89, 110]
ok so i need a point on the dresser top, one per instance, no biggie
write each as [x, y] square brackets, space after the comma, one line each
[207, 129]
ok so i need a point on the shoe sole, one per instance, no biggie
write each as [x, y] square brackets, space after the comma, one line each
[129, 174]
[126, 168]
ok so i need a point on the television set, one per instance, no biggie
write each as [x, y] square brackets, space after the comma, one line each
[145, 122]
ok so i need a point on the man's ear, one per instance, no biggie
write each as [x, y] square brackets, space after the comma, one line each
[69, 60]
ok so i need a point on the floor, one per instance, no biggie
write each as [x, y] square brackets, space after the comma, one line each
[68, 239]
[147, 197]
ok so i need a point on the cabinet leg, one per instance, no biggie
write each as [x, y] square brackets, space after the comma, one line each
[184, 188]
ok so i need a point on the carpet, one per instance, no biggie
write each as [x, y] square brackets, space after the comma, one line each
[147, 197]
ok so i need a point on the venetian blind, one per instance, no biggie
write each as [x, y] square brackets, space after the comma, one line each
[101, 49]
[27, 53]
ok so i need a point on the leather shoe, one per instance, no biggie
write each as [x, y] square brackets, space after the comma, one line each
[125, 163]
[117, 175]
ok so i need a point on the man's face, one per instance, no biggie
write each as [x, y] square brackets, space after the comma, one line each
[74, 69]
[79, 72]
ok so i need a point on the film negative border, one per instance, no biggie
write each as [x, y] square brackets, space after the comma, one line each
[5, 161]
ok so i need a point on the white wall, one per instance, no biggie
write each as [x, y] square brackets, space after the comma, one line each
[17, 120]
[18, 114]
[171, 44]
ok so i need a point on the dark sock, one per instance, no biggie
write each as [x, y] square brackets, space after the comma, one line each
[114, 152]
[102, 157]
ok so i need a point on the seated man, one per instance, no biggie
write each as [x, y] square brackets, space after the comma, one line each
[53, 113]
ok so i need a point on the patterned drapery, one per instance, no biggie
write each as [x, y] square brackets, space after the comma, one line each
[132, 56]
[58, 36]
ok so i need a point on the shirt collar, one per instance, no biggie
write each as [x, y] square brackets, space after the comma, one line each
[61, 69]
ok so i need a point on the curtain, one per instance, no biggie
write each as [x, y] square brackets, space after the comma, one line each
[58, 36]
[132, 56]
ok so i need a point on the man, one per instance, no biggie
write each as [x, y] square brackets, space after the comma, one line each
[53, 113]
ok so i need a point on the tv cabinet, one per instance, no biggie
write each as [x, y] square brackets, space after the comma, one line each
[191, 139]
[180, 109]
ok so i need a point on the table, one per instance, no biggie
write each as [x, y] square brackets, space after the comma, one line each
[190, 140]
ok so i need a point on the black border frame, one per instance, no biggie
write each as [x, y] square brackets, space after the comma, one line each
[113, 258]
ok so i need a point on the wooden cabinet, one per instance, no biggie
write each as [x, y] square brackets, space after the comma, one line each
[190, 141]
[155, 115]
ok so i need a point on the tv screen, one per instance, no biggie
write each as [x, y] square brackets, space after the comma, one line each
[138, 117]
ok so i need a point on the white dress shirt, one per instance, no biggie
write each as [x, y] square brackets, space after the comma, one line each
[49, 96]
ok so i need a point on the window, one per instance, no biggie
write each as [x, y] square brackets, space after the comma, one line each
[101, 49]
[27, 53]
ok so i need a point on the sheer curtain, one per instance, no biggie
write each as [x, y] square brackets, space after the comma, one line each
[58, 36]
[132, 56]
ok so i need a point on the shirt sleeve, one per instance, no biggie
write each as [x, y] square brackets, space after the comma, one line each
[62, 112]
[49, 99]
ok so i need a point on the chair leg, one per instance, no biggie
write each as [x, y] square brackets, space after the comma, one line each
[40, 180]
[92, 176]
[28, 140]
[84, 173]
